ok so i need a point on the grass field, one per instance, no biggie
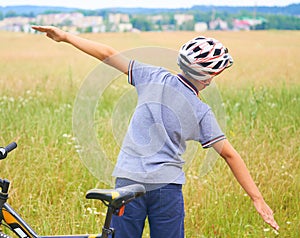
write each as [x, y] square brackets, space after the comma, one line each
[39, 82]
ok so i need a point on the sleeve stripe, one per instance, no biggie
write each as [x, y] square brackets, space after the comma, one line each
[211, 142]
[130, 66]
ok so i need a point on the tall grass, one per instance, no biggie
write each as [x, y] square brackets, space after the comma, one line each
[263, 126]
[38, 84]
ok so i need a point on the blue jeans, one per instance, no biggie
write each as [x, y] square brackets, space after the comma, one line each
[164, 207]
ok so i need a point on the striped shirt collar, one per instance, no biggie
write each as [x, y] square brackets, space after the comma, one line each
[188, 84]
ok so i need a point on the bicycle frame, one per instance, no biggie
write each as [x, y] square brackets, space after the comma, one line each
[23, 230]
[114, 199]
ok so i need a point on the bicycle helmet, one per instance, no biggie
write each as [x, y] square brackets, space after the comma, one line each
[202, 58]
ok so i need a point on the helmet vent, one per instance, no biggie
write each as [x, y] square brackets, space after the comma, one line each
[190, 45]
[200, 38]
[226, 62]
[204, 64]
[197, 49]
[218, 64]
[203, 55]
[217, 52]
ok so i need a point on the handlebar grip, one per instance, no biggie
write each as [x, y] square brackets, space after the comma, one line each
[11, 147]
[7, 149]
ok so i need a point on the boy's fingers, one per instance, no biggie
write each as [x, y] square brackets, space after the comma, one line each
[40, 28]
[269, 219]
[274, 224]
[51, 32]
[266, 213]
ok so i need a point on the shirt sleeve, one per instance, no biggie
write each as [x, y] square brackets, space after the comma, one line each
[140, 73]
[130, 69]
[210, 131]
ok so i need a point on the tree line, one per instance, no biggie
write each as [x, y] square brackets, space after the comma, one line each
[143, 22]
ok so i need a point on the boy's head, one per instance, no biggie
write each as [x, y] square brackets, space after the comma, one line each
[203, 58]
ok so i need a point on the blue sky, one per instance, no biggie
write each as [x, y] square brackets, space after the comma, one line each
[97, 4]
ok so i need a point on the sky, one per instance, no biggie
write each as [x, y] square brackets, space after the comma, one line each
[98, 4]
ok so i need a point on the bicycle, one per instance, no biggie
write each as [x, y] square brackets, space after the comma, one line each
[114, 199]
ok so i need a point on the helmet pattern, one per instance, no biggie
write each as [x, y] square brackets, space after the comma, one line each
[202, 58]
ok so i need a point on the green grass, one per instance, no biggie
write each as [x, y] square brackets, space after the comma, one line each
[262, 124]
[49, 181]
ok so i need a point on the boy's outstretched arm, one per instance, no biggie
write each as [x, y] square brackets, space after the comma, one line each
[100, 51]
[240, 171]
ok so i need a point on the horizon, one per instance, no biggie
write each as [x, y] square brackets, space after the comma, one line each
[89, 4]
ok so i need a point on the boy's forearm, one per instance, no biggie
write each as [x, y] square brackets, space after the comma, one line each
[238, 168]
[100, 51]
[243, 176]
[95, 49]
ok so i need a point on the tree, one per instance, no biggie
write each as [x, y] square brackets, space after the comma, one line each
[141, 23]
[11, 14]
[187, 26]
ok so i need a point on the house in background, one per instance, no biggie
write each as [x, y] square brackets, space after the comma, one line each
[16, 24]
[218, 24]
[246, 23]
[200, 26]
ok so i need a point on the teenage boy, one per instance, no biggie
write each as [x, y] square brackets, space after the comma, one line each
[168, 114]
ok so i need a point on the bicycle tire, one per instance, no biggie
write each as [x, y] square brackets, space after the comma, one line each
[2, 235]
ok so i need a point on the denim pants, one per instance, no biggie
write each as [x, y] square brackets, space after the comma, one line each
[164, 207]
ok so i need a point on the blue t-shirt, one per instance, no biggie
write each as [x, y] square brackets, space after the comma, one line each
[168, 114]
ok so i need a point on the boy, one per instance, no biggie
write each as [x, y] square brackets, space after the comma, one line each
[168, 114]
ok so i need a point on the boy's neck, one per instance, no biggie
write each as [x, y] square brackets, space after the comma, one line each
[196, 83]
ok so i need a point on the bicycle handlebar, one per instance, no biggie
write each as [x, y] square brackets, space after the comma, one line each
[4, 151]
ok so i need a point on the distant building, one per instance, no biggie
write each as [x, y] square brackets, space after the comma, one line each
[246, 23]
[73, 22]
[182, 18]
[16, 24]
[218, 24]
[200, 26]
[241, 25]
[89, 21]
[76, 22]
[125, 27]
[59, 18]
[116, 18]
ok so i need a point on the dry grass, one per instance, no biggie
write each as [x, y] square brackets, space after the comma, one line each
[261, 58]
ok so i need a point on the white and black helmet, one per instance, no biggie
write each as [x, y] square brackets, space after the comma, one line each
[202, 58]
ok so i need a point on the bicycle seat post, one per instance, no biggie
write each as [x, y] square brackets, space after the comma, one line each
[4, 184]
[115, 200]
[107, 230]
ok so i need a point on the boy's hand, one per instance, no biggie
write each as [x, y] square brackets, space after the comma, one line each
[266, 213]
[52, 32]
